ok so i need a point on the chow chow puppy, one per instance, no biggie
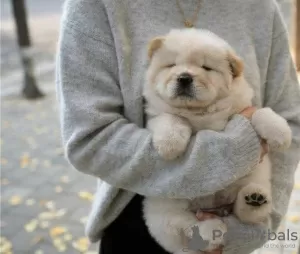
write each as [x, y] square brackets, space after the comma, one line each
[195, 81]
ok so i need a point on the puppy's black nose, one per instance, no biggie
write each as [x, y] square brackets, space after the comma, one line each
[185, 79]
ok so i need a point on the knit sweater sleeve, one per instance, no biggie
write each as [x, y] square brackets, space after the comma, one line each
[283, 96]
[100, 141]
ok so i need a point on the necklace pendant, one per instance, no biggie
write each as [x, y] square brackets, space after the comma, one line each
[188, 24]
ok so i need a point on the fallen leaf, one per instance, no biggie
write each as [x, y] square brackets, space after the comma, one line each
[24, 160]
[34, 163]
[59, 244]
[52, 214]
[61, 212]
[81, 244]
[47, 164]
[57, 241]
[5, 245]
[15, 200]
[65, 179]
[86, 195]
[59, 151]
[47, 215]
[44, 224]
[30, 202]
[58, 189]
[43, 202]
[31, 226]
[294, 218]
[39, 252]
[62, 248]
[56, 231]
[68, 237]
[83, 220]
[50, 205]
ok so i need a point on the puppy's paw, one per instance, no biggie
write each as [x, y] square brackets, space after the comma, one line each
[253, 204]
[256, 199]
[172, 142]
[206, 235]
[273, 128]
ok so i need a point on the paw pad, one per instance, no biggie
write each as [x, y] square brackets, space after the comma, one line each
[255, 199]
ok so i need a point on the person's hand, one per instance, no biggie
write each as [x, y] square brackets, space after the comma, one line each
[201, 216]
[248, 112]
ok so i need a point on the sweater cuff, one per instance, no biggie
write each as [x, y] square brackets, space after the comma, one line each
[246, 142]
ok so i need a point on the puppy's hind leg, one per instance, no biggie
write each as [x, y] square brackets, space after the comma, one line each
[166, 220]
[172, 224]
[254, 200]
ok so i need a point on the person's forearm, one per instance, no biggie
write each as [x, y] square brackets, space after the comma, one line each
[122, 155]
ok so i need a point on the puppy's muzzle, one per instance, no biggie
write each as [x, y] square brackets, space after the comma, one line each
[184, 85]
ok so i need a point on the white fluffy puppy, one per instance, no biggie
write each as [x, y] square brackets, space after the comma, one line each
[195, 81]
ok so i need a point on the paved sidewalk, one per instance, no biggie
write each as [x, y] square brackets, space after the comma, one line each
[44, 202]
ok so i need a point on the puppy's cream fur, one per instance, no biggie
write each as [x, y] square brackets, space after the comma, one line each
[218, 91]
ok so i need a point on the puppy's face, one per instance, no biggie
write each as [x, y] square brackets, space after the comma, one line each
[191, 68]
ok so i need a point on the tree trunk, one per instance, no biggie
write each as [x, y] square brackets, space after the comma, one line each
[30, 88]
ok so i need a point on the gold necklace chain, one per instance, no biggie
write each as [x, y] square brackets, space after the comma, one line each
[189, 23]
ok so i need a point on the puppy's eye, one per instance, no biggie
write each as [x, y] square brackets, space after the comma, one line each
[206, 68]
[170, 65]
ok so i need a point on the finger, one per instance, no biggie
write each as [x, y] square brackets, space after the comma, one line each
[199, 214]
[205, 216]
[266, 148]
[248, 112]
[202, 215]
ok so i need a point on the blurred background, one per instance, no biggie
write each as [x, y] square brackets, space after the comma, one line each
[44, 202]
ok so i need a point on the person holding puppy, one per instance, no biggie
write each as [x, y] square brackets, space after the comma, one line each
[101, 64]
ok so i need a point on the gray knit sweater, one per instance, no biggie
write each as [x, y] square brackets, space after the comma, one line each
[101, 64]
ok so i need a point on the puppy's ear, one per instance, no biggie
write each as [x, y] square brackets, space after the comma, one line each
[154, 45]
[236, 64]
